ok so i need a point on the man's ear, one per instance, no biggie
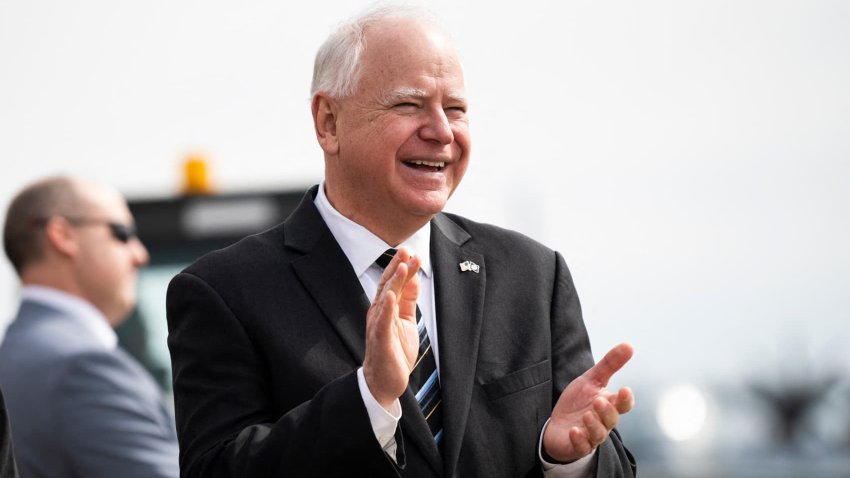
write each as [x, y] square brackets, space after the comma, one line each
[324, 119]
[60, 237]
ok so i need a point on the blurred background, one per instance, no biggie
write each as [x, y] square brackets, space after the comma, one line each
[690, 159]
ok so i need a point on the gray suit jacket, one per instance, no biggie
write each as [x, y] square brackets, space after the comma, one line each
[77, 409]
[266, 337]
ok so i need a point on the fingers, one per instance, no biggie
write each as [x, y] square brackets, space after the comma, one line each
[409, 293]
[391, 278]
[599, 421]
[397, 290]
[597, 424]
[624, 400]
[606, 415]
[391, 337]
[413, 265]
[386, 306]
[581, 443]
[613, 361]
[400, 257]
[596, 431]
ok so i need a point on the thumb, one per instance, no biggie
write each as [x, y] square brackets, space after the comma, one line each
[613, 361]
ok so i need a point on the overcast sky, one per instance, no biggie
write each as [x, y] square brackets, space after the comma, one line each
[691, 160]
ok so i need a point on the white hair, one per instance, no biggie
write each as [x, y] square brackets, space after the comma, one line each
[336, 70]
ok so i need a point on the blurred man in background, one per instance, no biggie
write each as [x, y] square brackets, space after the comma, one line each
[472, 359]
[78, 404]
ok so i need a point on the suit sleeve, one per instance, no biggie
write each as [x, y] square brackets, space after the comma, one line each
[109, 427]
[571, 357]
[227, 422]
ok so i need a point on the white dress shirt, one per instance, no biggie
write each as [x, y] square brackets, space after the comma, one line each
[362, 247]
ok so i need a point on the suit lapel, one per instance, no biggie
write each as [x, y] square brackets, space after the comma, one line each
[327, 275]
[416, 429]
[459, 297]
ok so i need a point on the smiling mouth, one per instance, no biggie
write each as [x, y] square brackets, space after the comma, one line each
[433, 166]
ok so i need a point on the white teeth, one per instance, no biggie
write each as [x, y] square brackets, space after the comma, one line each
[430, 164]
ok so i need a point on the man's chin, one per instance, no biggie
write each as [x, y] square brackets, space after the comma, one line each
[121, 312]
[428, 204]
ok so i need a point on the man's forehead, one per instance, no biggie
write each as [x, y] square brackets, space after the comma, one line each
[104, 200]
[408, 92]
[397, 39]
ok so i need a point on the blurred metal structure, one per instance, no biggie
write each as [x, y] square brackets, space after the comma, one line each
[177, 231]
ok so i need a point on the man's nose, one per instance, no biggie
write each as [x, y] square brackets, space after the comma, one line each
[438, 129]
[140, 253]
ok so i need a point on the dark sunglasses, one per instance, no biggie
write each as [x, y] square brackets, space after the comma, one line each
[121, 232]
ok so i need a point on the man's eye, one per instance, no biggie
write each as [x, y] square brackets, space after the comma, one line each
[406, 105]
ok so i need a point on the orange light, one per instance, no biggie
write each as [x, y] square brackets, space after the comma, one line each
[196, 177]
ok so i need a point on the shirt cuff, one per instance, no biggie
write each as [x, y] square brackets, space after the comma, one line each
[384, 422]
[580, 468]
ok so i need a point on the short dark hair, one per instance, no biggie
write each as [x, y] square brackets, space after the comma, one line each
[23, 236]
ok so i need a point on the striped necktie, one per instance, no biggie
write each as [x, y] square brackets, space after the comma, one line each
[424, 379]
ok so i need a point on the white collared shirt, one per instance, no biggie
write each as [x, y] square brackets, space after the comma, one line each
[76, 309]
[362, 247]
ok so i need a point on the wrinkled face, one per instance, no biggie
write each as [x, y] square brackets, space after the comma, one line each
[403, 136]
[107, 268]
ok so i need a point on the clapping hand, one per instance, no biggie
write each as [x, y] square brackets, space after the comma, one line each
[392, 341]
[586, 411]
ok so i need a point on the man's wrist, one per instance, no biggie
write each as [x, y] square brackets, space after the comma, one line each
[544, 456]
[385, 402]
[552, 460]
[384, 420]
[549, 462]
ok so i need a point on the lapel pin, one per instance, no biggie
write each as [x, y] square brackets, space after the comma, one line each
[467, 266]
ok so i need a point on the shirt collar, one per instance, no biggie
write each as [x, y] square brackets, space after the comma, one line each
[76, 309]
[360, 246]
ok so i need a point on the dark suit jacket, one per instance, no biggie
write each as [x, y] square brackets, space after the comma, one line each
[7, 457]
[266, 337]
